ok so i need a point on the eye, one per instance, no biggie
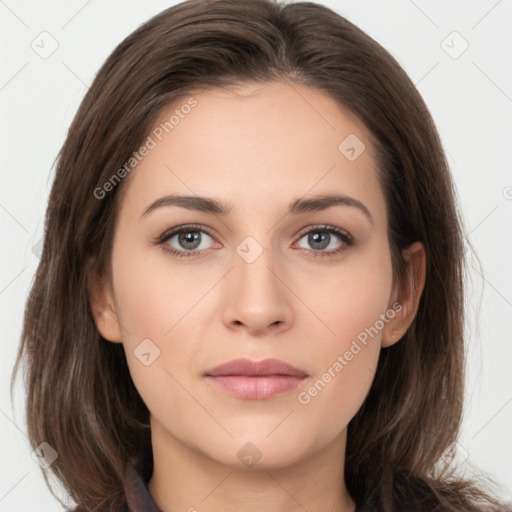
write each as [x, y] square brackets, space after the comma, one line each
[322, 237]
[191, 240]
[185, 240]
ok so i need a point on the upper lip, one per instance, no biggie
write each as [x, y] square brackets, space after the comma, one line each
[248, 367]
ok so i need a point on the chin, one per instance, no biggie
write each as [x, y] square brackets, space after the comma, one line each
[260, 451]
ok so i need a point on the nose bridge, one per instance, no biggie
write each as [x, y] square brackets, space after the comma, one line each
[256, 297]
[255, 270]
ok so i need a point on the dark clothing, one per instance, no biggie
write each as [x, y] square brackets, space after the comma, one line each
[139, 499]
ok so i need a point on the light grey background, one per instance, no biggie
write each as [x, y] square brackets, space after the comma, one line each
[469, 94]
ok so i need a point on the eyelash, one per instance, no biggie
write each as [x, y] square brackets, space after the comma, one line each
[162, 240]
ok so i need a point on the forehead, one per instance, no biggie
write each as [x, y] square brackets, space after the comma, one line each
[257, 144]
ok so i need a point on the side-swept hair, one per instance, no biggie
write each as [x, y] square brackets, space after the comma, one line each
[81, 398]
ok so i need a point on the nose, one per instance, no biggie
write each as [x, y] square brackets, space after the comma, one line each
[257, 296]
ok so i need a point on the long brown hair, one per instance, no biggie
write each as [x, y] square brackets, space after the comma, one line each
[81, 399]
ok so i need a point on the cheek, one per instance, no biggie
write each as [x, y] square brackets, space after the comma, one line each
[336, 394]
[152, 295]
[351, 298]
[346, 356]
[152, 307]
[357, 307]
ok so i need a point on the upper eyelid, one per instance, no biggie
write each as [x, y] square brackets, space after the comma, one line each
[327, 227]
[169, 233]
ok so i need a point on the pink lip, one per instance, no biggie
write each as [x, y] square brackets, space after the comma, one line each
[256, 380]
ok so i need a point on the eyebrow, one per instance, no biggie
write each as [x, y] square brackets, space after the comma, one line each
[300, 205]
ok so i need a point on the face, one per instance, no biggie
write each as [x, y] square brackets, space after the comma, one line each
[279, 274]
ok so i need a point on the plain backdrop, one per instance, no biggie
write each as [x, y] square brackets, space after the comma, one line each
[458, 55]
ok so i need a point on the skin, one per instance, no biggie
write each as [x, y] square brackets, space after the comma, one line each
[257, 148]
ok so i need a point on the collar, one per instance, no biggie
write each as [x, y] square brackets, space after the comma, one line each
[139, 499]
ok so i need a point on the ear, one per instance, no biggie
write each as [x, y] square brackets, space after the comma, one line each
[406, 294]
[102, 305]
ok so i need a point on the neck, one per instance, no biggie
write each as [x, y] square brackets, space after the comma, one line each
[186, 480]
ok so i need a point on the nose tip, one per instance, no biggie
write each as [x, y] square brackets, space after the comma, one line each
[257, 298]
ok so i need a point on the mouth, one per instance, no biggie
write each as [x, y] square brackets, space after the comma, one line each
[256, 380]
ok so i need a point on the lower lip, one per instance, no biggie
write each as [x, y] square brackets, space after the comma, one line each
[256, 388]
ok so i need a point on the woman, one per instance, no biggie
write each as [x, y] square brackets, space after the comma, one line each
[250, 291]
